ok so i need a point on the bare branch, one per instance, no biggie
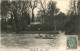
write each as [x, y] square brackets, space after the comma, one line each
[30, 4]
[42, 4]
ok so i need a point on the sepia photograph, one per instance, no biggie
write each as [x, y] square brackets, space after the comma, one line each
[40, 25]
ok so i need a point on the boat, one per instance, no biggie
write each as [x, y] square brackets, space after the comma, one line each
[45, 37]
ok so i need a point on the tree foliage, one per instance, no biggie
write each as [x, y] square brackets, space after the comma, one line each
[52, 10]
[72, 26]
[19, 14]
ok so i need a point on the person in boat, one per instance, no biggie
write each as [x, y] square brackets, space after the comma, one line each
[46, 36]
[39, 35]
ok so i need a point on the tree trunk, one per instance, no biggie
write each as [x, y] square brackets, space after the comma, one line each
[55, 25]
[16, 21]
[32, 16]
[12, 22]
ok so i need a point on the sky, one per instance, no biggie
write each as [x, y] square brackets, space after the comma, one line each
[63, 5]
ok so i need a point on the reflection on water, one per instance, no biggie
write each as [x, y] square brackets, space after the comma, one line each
[28, 40]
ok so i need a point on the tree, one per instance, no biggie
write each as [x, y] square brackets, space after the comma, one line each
[72, 26]
[19, 14]
[51, 12]
[48, 13]
[33, 5]
[78, 10]
[43, 9]
[5, 6]
[61, 20]
[78, 6]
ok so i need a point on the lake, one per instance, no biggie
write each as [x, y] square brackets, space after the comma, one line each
[26, 41]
